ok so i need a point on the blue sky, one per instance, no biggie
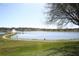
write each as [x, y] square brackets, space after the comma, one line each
[23, 15]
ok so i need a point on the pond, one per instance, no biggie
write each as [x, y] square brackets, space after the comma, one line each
[45, 35]
[1, 33]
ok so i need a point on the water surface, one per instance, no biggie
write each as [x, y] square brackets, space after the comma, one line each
[46, 35]
[1, 33]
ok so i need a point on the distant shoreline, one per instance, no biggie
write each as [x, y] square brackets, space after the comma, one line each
[39, 29]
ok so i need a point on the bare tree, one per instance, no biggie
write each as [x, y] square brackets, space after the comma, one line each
[63, 13]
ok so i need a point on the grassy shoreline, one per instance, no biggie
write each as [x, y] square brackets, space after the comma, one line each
[9, 47]
[38, 48]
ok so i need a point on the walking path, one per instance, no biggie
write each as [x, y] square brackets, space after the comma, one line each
[7, 35]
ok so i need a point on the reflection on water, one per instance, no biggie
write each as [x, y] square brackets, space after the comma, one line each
[46, 35]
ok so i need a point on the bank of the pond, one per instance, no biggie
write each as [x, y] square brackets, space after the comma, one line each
[38, 48]
[8, 35]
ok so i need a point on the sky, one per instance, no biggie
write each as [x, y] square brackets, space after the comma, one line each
[23, 15]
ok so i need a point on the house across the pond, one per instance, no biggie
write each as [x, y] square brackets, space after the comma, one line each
[13, 31]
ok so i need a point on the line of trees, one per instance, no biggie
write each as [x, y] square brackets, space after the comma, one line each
[37, 29]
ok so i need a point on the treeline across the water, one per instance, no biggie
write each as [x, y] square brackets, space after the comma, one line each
[62, 30]
[3, 29]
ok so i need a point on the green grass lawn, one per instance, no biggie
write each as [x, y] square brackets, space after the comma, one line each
[38, 48]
